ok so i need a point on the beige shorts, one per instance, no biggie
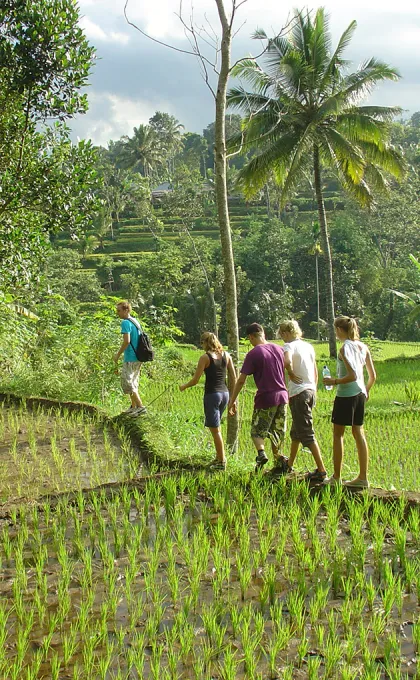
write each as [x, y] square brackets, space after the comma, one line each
[130, 374]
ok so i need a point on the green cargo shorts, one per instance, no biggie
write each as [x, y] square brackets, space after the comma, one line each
[271, 423]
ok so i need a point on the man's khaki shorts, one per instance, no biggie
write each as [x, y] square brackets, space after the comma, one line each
[301, 409]
[130, 374]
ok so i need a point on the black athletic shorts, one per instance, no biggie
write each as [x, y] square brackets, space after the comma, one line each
[349, 410]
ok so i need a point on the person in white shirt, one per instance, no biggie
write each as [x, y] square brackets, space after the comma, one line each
[300, 364]
[352, 395]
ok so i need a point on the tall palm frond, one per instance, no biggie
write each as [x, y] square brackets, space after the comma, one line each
[302, 111]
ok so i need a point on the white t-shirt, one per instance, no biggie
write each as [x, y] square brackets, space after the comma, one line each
[355, 352]
[302, 356]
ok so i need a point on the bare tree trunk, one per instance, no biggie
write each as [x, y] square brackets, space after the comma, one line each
[327, 252]
[223, 56]
[318, 335]
[222, 207]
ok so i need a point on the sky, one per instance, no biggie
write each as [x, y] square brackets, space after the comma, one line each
[133, 76]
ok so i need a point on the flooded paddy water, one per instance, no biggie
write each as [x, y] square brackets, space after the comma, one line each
[49, 450]
[209, 577]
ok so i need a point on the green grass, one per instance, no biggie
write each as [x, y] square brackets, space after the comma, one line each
[392, 428]
[47, 451]
[193, 575]
[174, 426]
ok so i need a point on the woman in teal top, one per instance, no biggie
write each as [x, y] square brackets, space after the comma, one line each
[352, 394]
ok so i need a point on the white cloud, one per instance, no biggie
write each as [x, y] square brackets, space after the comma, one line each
[94, 32]
[134, 77]
[111, 116]
[122, 38]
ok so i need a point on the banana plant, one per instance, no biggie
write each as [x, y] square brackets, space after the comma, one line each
[413, 298]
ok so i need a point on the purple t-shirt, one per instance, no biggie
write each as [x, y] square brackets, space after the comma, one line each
[266, 364]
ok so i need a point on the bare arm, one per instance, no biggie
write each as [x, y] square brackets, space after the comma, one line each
[371, 372]
[348, 378]
[203, 362]
[125, 343]
[237, 388]
[289, 368]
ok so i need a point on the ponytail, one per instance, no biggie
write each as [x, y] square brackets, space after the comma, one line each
[349, 326]
[211, 342]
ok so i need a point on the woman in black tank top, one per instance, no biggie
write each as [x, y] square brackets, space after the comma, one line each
[216, 373]
[215, 364]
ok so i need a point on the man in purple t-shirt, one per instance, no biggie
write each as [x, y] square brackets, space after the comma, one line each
[266, 363]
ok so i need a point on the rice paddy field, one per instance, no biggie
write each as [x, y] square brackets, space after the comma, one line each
[49, 451]
[192, 575]
[392, 421]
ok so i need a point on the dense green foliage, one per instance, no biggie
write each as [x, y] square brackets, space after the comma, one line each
[47, 183]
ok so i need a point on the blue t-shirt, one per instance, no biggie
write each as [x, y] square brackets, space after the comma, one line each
[128, 327]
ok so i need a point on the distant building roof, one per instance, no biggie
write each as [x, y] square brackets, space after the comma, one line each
[162, 189]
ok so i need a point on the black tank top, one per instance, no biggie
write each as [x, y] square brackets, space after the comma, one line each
[216, 374]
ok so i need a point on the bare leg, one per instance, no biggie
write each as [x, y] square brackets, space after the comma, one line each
[294, 448]
[218, 444]
[362, 450]
[277, 450]
[338, 449]
[136, 402]
[258, 443]
[314, 449]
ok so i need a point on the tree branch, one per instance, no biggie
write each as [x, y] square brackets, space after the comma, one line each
[159, 42]
[192, 35]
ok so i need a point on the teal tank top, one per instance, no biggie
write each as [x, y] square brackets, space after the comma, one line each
[350, 389]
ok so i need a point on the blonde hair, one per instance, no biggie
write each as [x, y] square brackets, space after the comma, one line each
[290, 326]
[211, 342]
[124, 305]
[349, 325]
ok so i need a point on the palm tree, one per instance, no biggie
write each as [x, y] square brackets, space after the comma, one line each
[169, 132]
[88, 243]
[143, 151]
[302, 115]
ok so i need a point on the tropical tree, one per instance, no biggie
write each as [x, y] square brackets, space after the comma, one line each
[303, 115]
[413, 299]
[47, 183]
[169, 132]
[143, 151]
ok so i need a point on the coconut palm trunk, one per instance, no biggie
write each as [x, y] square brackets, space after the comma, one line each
[318, 332]
[327, 254]
[222, 205]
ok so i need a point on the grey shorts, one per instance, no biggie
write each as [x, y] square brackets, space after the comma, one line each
[214, 405]
[130, 374]
[301, 406]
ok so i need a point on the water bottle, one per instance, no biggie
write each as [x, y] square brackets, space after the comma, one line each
[327, 374]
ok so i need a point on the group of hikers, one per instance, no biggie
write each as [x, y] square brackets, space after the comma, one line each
[267, 362]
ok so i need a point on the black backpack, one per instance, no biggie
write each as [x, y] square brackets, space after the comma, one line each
[144, 351]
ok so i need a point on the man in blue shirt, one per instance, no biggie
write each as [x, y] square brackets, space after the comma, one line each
[130, 371]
